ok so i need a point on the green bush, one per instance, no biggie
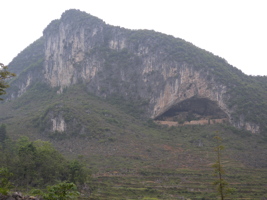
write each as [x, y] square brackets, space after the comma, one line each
[60, 191]
[5, 184]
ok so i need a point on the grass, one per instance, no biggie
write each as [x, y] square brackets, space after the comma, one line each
[133, 158]
[178, 184]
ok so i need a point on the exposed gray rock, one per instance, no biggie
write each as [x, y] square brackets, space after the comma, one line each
[80, 48]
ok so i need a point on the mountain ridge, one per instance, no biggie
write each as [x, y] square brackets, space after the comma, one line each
[138, 65]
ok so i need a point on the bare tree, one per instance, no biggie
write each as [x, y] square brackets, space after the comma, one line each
[221, 184]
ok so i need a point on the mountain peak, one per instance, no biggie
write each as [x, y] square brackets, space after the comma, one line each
[75, 18]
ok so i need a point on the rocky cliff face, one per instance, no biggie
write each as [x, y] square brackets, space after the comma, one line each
[137, 65]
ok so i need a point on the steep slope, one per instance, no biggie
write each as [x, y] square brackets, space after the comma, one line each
[159, 73]
[130, 157]
[28, 68]
[79, 123]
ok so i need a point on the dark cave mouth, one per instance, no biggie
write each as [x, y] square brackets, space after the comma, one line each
[194, 109]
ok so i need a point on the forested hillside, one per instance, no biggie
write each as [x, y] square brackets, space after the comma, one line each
[89, 104]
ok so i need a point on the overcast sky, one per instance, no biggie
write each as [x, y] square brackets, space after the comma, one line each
[232, 29]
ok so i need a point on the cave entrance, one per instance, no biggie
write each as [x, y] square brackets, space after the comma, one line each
[193, 111]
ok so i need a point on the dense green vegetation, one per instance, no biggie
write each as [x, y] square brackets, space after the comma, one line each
[5, 184]
[133, 158]
[26, 165]
[60, 191]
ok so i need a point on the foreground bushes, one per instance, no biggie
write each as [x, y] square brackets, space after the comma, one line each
[26, 164]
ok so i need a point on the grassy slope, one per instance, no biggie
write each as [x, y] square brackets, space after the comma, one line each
[137, 158]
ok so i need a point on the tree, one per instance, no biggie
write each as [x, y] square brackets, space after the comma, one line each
[5, 185]
[61, 191]
[38, 163]
[57, 167]
[3, 135]
[4, 74]
[78, 173]
[27, 163]
[222, 185]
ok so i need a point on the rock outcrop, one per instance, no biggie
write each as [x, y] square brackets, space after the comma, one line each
[136, 65]
[18, 196]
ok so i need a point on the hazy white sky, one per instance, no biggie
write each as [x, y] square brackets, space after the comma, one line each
[233, 29]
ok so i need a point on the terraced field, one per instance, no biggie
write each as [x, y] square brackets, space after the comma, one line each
[135, 158]
[179, 184]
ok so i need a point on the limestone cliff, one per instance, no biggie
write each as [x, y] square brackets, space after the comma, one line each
[160, 70]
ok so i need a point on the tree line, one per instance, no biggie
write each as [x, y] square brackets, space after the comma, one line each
[37, 164]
